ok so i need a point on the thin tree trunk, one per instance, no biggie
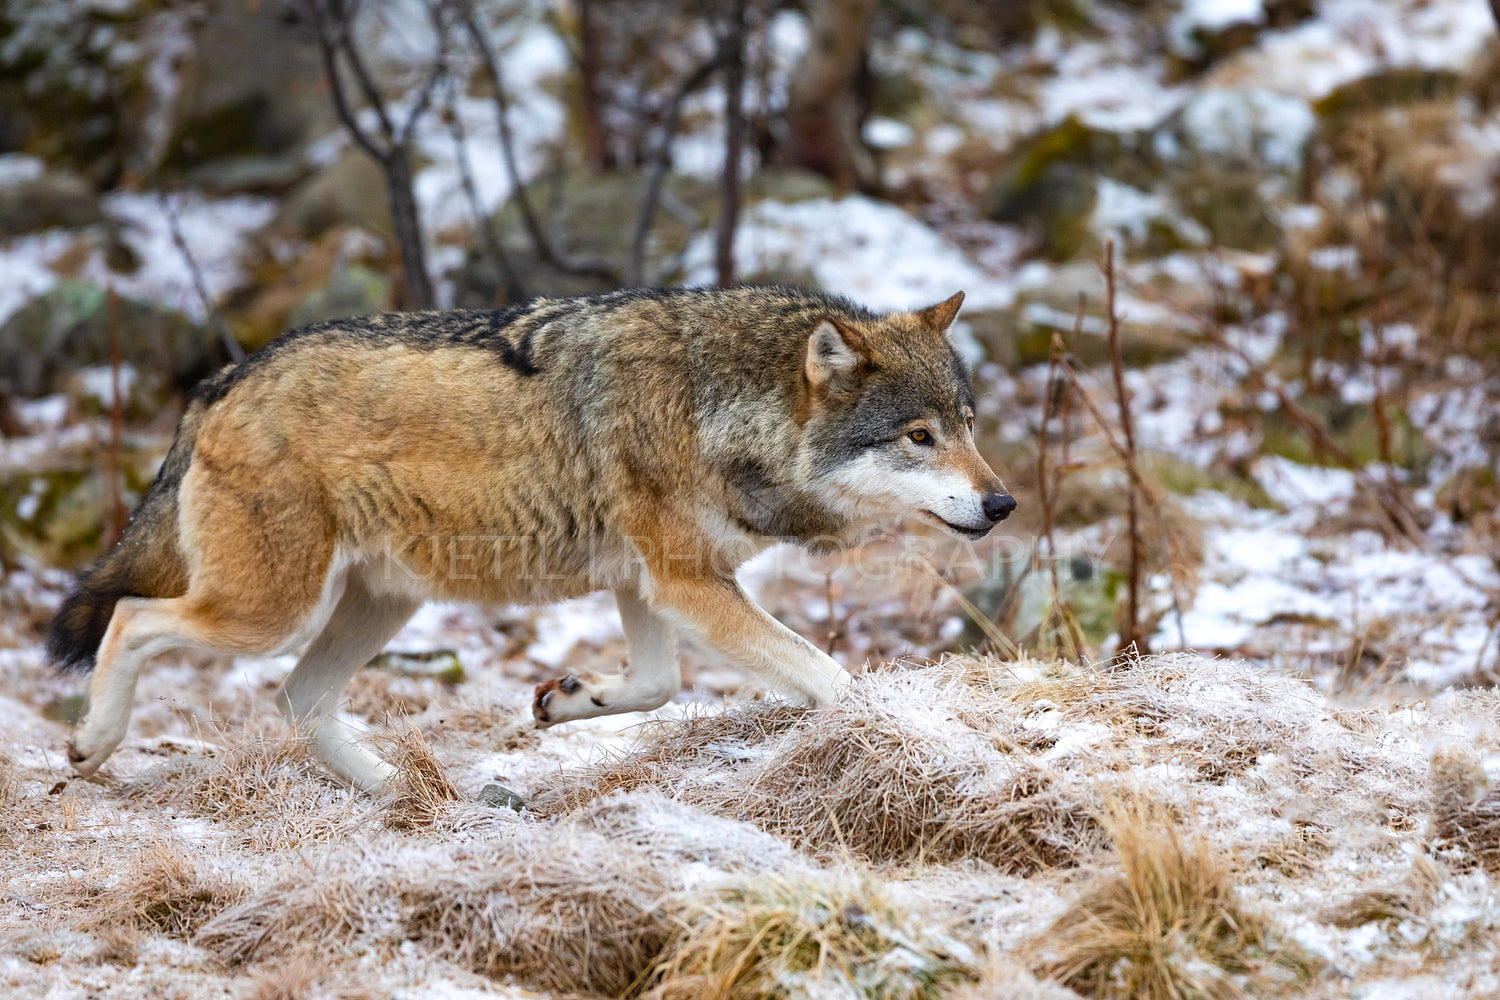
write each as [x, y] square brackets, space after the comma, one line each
[408, 225]
[734, 142]
[823, 116]
[594, 139]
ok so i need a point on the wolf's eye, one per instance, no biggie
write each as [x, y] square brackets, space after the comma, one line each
[970, 423]
[921, 436]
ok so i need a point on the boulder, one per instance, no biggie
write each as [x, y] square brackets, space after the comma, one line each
[54, 510]
[350, 191]
[355, 290]
[234, 106]
[593, 217]
[346, 272]
[67, 328]
[1049, 183]
[54, 200]
[1228, 154]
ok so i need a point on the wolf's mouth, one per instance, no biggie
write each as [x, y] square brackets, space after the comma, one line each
[959, 529]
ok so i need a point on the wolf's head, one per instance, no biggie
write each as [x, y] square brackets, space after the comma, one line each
[888, 423]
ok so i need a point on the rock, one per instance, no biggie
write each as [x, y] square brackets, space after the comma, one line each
[499, 797]
[350, 191]
[55, 514]
[50, 201]
[355, 290]
[1238, 128]
[345, 273]
[1049, 183]
[234, 104]
[67, 710]
[440, 664]
[1050, 306]
[267, 175]
[1229, 152]
[1392, 87]
[67, 328]
[594, 217]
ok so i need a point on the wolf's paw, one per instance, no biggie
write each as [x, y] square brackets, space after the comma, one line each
[562, 700]
[91, 747]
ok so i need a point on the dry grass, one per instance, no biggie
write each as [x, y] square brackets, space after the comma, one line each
[913, 767]
[776, 938]
[557, 912]
[422, 789]
[1410, 896]
[304, 911]
[164, 892]
[1465, 812]
[270, 789]
[1167, 925]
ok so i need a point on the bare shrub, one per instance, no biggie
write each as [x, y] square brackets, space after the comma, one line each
[164, 892]
[771, 937]
[421, 788]
[1465, 813]
[1167, 924]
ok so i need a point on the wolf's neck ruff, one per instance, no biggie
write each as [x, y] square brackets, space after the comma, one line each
[642, 441]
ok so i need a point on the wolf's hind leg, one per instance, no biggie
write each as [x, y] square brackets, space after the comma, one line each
[651, 677]
[360, 626]
[139, 629]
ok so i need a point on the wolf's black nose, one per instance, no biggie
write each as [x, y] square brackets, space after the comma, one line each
[998, 506]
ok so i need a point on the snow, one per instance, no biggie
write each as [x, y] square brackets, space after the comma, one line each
[1208, 17]
[869, 250]
[214, 230]
[1250, 125]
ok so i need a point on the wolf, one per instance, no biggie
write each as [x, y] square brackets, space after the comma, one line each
[646, 442]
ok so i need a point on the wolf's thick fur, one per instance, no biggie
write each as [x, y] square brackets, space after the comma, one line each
[647, 442]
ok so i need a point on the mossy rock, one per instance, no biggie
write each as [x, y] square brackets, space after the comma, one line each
[1050, 182]
[56, 514]
[349, 192]
[354, 290]
[1352, 427]
[592, 217]
[53, 200]
[1229, 204]
[67, 328]
[1392, 87]
[1052, 308]
[1186, 479]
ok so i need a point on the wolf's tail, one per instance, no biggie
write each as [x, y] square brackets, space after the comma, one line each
[147, 562]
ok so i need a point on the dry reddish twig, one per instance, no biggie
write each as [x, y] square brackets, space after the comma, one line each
[116, 517]
[1131, 636]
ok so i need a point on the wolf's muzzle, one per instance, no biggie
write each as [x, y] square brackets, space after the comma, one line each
[998, 506]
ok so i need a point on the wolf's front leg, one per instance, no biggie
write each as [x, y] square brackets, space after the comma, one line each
[725, 617]
[649, 681]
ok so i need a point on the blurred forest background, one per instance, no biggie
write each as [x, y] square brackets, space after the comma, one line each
[1230, 264]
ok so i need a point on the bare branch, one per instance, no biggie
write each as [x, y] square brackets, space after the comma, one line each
[216, 319]
[660, 162]
[732, 50]
[529, 219]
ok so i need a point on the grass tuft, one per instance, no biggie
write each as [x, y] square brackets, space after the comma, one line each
[165, 893]
[1167, 925]
[422, 789]
[819, 936]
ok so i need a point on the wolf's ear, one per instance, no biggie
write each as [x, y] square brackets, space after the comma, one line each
[940, 316]
[832, 355]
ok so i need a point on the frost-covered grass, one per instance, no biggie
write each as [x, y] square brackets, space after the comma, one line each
[1171, 827]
